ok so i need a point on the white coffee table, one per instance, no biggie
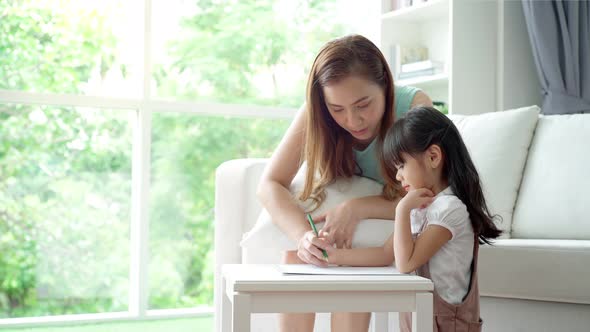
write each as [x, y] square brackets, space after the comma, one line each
[255, 288]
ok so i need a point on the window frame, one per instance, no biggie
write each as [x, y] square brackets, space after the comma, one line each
[144, 107]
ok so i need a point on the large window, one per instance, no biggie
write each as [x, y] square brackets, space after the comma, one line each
[65, 190]
[185, 152]
[114, 115]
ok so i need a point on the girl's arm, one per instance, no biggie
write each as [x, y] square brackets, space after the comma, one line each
[409, 253]
[375, 256]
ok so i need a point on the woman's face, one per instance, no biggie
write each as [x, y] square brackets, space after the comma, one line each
[357, 105]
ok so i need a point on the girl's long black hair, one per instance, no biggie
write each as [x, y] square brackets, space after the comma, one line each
[415, 133]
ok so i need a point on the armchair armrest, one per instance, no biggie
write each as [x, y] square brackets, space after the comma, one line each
[236, 210]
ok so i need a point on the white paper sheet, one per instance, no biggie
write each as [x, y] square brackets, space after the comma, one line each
[335, 270]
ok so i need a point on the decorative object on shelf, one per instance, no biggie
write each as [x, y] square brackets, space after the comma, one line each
[399, 4]
[402, 55]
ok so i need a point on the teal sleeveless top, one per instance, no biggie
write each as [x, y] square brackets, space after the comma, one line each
[367, 159]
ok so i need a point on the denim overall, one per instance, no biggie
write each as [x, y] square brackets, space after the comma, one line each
[462, 317]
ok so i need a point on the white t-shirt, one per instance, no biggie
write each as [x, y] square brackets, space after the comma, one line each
[450, 267]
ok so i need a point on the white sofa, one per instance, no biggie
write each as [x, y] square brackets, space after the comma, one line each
[535, 174]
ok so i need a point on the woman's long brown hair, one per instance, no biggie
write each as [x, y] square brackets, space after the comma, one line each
[328, 147]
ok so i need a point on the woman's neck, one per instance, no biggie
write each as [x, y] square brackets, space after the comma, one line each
[362, 145]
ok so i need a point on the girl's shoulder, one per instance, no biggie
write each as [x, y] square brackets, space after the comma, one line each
[447, 209]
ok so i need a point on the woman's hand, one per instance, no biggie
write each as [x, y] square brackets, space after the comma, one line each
[340, 224]
[414, 199]
[309, 248]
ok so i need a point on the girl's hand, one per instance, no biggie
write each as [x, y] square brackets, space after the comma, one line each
[340, 224]
[309, 249]
[414, 199]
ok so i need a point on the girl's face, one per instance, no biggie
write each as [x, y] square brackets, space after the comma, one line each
[414, 174]
[357, 105]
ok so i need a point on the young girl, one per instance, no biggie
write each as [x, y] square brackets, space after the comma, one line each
[439, 220]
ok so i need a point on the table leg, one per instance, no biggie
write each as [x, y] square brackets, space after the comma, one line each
[380, 321]
[226, 308]
[241, 313]
[423, 316]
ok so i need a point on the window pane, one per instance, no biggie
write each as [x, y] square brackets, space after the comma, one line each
[72, 46]
[186, 150]
[65, 189]
[248, 52]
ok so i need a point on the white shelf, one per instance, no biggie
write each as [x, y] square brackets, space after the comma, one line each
[425, 11]
[483, 45]
[425, 24]
[461, 34]
[425, 81]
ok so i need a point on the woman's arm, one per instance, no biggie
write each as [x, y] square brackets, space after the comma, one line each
[273, 192]
[342, 220]
[375, 256]
[421, 98]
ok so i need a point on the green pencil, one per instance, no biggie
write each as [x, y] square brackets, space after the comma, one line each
[315, 230]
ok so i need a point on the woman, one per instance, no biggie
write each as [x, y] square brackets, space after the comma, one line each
[350, 104]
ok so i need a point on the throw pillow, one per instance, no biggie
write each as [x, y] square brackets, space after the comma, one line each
[369, 233]
[499, 143]
[553, 202]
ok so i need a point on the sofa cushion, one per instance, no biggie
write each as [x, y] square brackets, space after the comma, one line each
[370, 232]
[553, 200]
[498, 144]
[534, 269]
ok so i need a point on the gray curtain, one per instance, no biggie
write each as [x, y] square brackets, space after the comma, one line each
[560, 38]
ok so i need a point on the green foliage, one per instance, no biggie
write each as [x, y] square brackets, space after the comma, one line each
[186, 150]
[65, 173]
[65, 205]
[441, 106]
[224, 45]
[227, 43]
[47, 48]
[52, 159]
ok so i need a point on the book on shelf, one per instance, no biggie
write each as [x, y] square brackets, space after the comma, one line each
[420, 65]
[417, 73]
[406, 54]
[399, 4]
